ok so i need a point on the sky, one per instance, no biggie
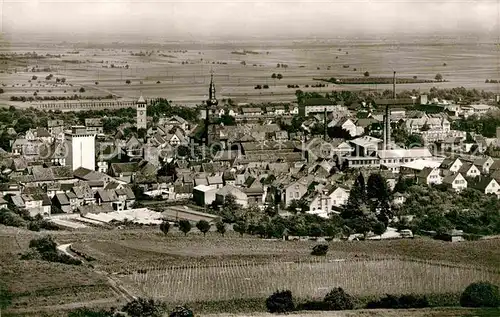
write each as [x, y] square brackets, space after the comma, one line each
[251, 19]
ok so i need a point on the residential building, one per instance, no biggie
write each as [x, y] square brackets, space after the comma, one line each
[295, 191]
[469, 170]
[430, 176]
[486, 185]
[455, 181]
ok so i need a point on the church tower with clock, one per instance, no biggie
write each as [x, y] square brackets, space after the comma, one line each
[141, 114]
[210, 133]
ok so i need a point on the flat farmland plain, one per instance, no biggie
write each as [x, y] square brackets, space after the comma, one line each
[180, 72]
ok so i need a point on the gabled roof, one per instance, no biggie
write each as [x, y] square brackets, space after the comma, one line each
[62, 198]
[451, 178]
[481, 183]
[465, 167]
[425, 172]
[124, 168]
[42, 133]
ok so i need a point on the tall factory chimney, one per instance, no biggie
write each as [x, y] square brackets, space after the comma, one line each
[388, 114]
[325, 125]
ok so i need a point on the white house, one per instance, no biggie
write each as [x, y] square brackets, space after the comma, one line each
[455, 181]
[430, 176]
[451, 164]
[484, 164]
[469, 170]
[348, 125]
[294, 191]
[241, 198]
[486, 185]
[329, 197]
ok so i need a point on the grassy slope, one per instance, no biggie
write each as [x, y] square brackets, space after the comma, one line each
[38, 283]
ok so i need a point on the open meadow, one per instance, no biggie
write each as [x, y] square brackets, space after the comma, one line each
[180, 71]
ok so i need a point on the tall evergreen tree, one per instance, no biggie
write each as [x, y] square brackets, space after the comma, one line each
[357, 198]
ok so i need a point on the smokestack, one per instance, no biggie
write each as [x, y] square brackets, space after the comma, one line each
[324, 125]
[388, 113]
[394, 86]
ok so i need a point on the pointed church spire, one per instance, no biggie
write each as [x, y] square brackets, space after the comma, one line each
[212, 100]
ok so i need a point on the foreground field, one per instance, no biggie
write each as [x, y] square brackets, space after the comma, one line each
[38, 283]
[232, 273]
[235, 280]
[386, 313]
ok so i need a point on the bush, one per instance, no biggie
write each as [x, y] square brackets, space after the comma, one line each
[165, 227]
[203, 226]
[142, 307]
[184, 226]
[280, 302]
[402, 302]
[481, 294]
[181, 312]
[34, 226]
[320, 250]
[42, 245]
[337, 299]
[9, 218]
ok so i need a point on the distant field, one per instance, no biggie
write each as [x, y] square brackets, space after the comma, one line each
[467, 65]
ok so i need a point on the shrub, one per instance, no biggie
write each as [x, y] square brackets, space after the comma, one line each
[337, 299]
[320, 250]
[402, 302]
[142, 307]
[127, 81]
[81, 89]
[34, 226]
[165, 227]
[42, 245]
[184, 226]
[181, 312]
[221, 227]
[203, 226]
[280, 302]
[481, 294]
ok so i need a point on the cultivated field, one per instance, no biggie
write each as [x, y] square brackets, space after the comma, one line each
[234, 280]
[180, 71]
[214, 269]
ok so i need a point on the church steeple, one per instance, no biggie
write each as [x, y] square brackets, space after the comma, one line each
[210, 123]
[212, 100]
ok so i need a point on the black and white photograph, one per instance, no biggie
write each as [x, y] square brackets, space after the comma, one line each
[249, 158]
